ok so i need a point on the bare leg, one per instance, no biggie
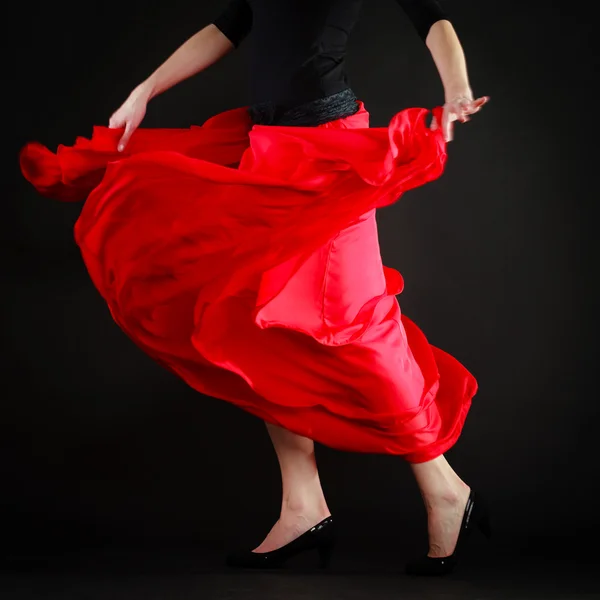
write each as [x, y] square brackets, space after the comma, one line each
[445, 496]
[303, 502]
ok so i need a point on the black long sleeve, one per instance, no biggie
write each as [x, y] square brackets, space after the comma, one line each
[235, 22]
[298, 47]
[423, 14]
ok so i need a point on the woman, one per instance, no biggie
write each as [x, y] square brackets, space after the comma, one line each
[243, 256]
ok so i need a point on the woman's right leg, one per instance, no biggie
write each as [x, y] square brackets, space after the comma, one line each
[303, 502]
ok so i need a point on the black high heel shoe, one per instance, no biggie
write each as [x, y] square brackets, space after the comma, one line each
[476, 516]
[321, 538]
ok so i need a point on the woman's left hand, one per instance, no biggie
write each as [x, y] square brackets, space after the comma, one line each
[458, 109]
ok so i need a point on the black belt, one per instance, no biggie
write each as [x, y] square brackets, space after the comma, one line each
[313, 113]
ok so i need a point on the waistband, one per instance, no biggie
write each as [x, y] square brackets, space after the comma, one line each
[310, 114]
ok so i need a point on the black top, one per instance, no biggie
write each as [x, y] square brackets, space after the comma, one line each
[299, 46]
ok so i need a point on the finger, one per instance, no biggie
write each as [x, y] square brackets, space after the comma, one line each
[470, 108]
[434, 124]
[476, 105]
[123, 142]
[467, 108]
[481, 101]
[125, 137]
[115, 122]
[457, 112]
[447, 125]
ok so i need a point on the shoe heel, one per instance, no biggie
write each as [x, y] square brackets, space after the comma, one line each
[325, 553]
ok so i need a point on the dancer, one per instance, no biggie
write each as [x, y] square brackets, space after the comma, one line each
[243, 256]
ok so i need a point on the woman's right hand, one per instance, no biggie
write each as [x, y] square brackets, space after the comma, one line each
[130, 115]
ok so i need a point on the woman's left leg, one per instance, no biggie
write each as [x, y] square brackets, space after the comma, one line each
[445, 495]
[303, 502]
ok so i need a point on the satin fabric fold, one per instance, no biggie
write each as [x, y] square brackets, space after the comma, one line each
[245, 259]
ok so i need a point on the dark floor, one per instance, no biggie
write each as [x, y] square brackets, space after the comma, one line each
[179, 575]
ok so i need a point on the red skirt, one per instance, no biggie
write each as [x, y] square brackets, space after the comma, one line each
[245, 260]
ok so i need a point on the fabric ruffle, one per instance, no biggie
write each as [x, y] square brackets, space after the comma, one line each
[245, 260]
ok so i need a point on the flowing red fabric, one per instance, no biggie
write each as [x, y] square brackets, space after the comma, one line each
[245, 260]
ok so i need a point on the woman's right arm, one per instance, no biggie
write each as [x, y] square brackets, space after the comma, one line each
[199, 52]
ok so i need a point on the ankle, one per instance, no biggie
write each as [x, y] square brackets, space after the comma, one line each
[446, 497]
[308, 506]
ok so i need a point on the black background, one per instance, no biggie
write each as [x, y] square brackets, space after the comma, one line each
[101, 446]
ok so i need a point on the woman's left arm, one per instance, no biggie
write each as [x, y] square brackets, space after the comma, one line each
[449, 58]
[433, 25]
